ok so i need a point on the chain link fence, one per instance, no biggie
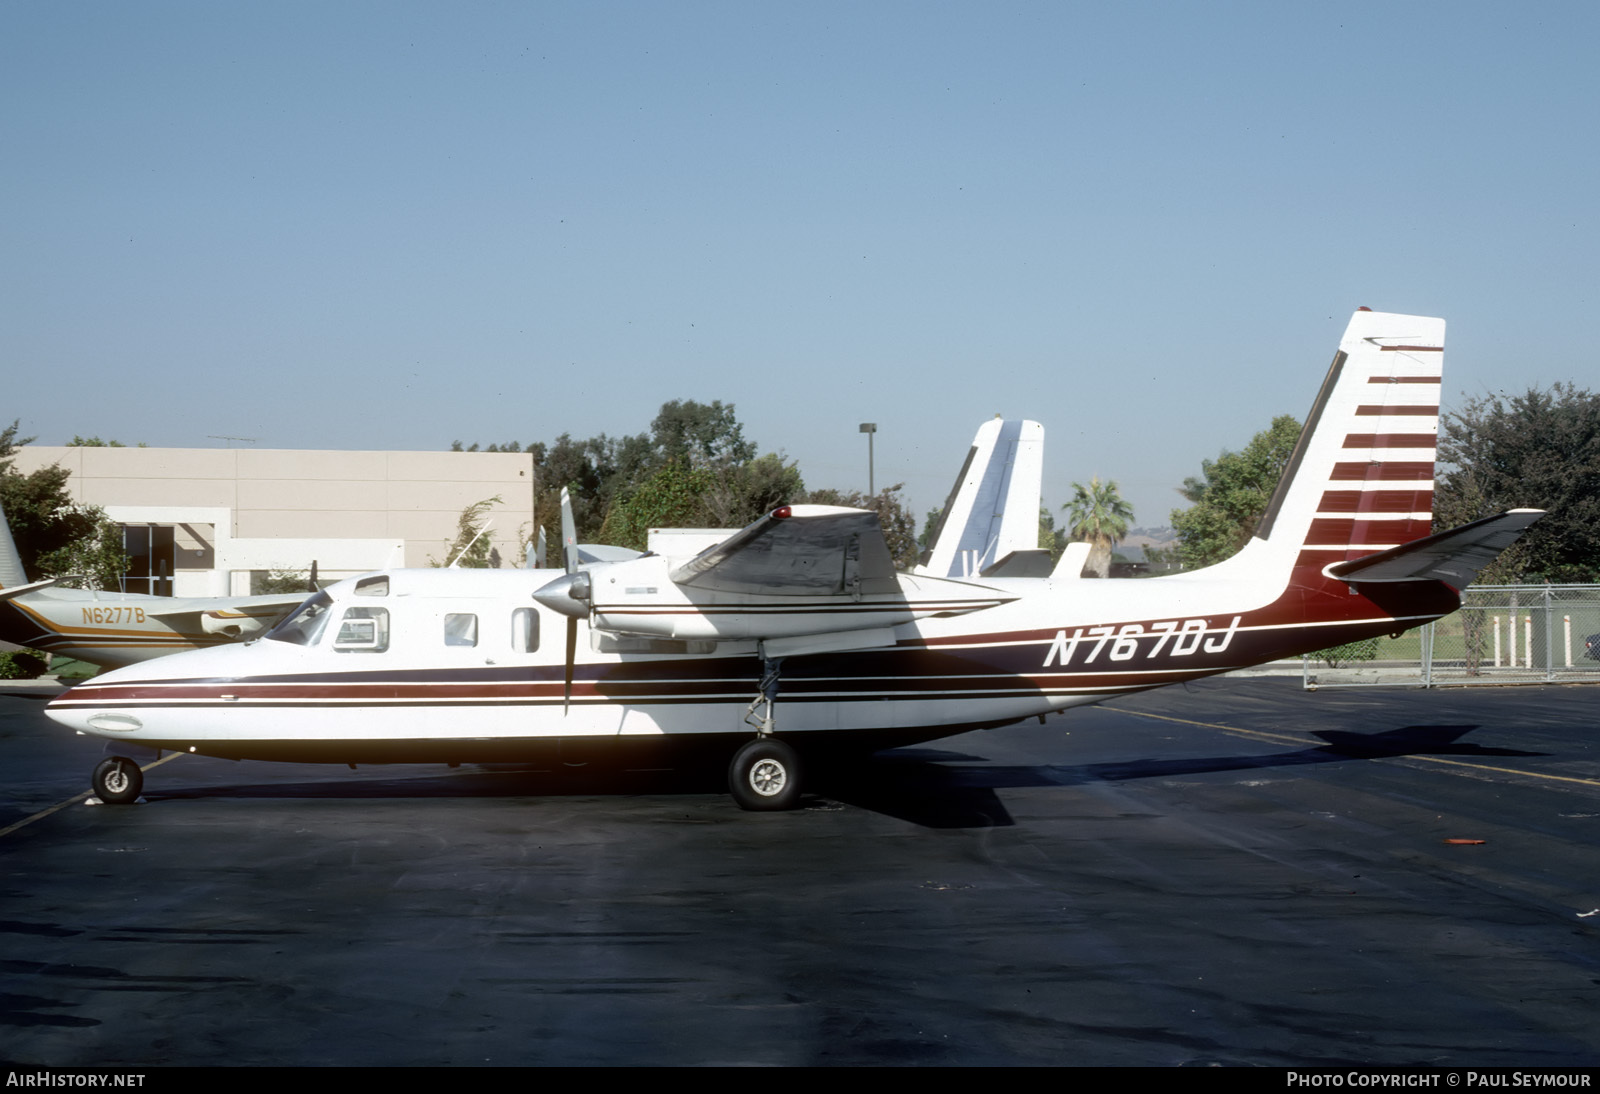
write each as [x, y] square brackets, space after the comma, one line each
[1503, 634]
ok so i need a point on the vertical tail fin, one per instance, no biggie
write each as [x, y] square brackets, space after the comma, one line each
[993, 508]
[11, 572]
[1360, 479]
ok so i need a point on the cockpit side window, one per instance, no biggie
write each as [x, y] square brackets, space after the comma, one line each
[305, 624]
[373, 586]
[460, 629]
[363, 630]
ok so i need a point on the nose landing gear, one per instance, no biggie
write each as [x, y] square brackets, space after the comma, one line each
[118, 780]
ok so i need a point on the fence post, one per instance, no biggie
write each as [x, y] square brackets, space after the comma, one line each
[1549, 638]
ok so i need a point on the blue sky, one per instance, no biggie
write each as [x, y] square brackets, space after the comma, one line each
[393, 225]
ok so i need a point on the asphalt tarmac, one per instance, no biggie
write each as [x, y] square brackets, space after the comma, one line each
[1235, 873]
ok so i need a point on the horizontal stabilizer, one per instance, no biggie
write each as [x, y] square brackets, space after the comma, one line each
[1034, 562]
[798, 550]
[32, 587]
[1072, 561]
[1454, 557]
[591, 553]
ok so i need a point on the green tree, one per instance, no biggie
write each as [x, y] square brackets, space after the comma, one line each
[700, 434]
[46, 523]
[670, 498]
[899, 526]
[1231, 494]
[96, 557]
[1098, 515]
[94, 442]
[611, 480]
[1537, 450]
[1051, 538]
[471, 548]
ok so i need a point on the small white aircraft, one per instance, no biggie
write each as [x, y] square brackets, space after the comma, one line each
[796, 639]
[116, 629]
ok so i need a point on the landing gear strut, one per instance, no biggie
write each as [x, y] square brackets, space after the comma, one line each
[118, 780]
[760, 712]
[765, 773]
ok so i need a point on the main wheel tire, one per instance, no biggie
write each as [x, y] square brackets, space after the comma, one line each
[118, 781]
[765, 776]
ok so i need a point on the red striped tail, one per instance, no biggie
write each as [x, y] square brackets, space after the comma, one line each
[1361, 476]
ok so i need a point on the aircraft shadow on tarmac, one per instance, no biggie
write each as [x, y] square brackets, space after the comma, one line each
[930, 787]
[939, 789]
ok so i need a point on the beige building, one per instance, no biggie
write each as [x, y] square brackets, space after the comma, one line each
[206, 521]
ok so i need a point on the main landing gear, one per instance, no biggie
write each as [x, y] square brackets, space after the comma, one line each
[764, 775]
[118, 780]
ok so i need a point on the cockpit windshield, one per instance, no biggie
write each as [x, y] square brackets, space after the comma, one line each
[305, 624]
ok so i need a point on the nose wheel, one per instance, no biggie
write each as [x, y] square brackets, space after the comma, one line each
[118, 780]
[765, 776]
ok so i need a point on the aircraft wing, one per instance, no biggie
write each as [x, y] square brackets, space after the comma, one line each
[798, 550]
[236, 616]
[1453, 557]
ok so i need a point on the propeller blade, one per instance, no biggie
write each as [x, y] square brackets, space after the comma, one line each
[311, 584]
[572, 654]
[569, 533]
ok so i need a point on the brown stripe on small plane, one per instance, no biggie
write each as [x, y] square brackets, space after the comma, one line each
[1377, 501]
[1340, 532]
[1396, 411]
[1389, 440]
[1383, 471]
[1411, 349]
[1404, 380]
[1320, 556]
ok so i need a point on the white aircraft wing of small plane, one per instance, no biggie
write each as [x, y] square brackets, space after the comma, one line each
[798, 550]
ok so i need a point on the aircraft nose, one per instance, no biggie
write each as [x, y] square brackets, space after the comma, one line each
[567, 594]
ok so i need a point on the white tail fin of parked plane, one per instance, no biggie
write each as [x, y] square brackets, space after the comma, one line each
[990, 522]
[11, 572]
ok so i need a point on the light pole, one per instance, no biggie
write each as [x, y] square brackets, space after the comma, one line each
[869, 428]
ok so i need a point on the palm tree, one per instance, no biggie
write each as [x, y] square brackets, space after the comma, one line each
[1098, 514]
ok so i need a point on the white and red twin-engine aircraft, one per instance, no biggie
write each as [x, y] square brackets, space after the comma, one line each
[803, 611]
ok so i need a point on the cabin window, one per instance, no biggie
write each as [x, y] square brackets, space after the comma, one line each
[373, 586]
[460, 629]
[363, 630]
[525, 630]
[305, 624]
